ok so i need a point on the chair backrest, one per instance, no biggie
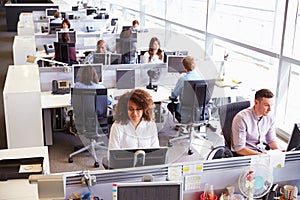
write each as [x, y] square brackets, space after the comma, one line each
[196, 95]
[62, 52]
[90, 110]
[226, 114]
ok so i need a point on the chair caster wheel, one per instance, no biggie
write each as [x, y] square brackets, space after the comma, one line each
[70, 160]
[190, 152]
[96, 164]
[170, 144]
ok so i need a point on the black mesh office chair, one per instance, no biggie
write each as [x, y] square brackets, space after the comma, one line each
[195, 108]
[90, 113]
[226, 114]
[63, 51]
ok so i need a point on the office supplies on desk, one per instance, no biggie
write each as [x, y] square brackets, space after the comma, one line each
[49, 48]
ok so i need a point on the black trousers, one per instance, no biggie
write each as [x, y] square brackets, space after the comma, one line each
[172, 107]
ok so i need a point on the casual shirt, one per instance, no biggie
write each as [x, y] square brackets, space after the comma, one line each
[177, 92]
[154, 59]
[127, 136]
[249, 130]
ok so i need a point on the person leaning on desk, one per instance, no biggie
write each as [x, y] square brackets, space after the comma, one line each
[101, 48]
[253, 129]
[154, 54]
[89, 79]
[188, 66]
[134, 125]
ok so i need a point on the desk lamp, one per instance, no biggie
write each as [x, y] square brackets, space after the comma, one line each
[153, 76]
[34, 59]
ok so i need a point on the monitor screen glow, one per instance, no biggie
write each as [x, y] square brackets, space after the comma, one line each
[100, 58]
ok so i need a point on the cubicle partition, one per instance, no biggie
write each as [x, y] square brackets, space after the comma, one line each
[220, 173]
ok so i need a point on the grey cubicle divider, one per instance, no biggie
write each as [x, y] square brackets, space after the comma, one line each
[220, 173]
[47, 74]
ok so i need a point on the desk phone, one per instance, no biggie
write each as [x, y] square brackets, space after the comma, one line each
[60, 87]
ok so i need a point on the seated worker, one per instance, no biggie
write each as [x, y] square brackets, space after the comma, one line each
[188, 66]
[154, 54]
[134, 125]
[101, 48]
[57, 18]
[65, 25]
[135, 24]
[72, 50]
[89, 79]
[254, 127]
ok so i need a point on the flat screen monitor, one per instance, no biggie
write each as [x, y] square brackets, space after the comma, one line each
[196, 95]
[54, 27]
[100, 58]
[72, 35]
[125, 78]
[65, 52]
[78, 70]
[50, 12]
[174, 64]
[124, 158]
[115, 58]
[294, 142]
[90, 11]
[166, 190]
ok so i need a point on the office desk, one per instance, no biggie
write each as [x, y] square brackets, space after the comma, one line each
[49, 101]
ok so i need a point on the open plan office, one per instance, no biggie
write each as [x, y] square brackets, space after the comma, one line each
[192, 161]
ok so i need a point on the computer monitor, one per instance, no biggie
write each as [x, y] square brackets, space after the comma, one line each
[64, 52]
[174, 64]
[166, 190]
[196, 95]
[125, 78]
[72, 35]
[78, 69]
[54, 27]
[50, 12]
[90, 11]
[294, 142]
[124, 158]
[100, 58]
[115, 58]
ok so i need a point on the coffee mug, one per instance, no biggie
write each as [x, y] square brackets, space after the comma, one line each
[290, 192]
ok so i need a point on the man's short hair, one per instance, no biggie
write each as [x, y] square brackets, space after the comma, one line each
[263, 93]
[188, 63]
[57, 14]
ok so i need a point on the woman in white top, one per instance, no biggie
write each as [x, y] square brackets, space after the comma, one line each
[154, 54]
[134, 125]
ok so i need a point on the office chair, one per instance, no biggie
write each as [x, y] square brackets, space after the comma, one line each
[90, 113]
[62, 52]
[195, 112]
[226, 114]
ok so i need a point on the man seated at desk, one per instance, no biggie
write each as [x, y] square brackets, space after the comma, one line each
[101, 48]
[188, 66]
[134, 125]
[57, 18]
[253, 128]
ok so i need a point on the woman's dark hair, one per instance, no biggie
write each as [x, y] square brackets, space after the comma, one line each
[139, 97]
[65, 37]
[88, 75]
[159, 51]
[67, 22]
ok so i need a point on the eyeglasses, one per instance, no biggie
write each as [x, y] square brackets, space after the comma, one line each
[134, 109]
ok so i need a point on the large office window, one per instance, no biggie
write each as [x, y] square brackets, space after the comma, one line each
[251, 31]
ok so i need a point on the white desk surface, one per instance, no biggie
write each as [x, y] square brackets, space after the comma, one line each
[79, 54]
[49, 100]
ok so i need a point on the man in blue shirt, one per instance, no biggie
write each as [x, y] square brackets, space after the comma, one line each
[188, 66]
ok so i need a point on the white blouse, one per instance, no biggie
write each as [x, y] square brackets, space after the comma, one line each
[126, 136]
